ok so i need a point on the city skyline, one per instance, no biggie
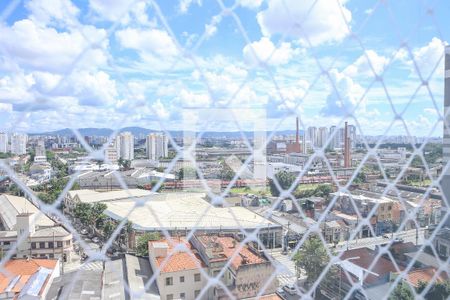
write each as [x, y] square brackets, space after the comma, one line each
[128, 82]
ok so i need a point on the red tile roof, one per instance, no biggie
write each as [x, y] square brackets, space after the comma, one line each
[425, 275]
[176, 260]
[227, 248]
[23, 268]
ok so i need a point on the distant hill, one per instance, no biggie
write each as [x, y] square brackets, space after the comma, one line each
[144, 131]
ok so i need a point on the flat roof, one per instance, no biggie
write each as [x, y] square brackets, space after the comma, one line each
[87, 197]
[184, 210]
[11, 206]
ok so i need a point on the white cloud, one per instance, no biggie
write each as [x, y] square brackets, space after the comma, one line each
[264, 51]
[53, 12]
[5, 107]
[362, 67]
[46, 49]
[345, 99]
[183, 5]
[323, 23]
[147, 42]
[252, 4]
[124, 11]
[427, 58]
[188, 98]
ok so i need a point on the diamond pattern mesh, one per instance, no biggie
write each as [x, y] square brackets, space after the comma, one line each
[336, 277]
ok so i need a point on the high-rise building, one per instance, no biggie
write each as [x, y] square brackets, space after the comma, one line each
[322, 136]
[39, 152]
[445, 183]
[157, 146]
[3, 142]
[19, 143]
[312, 136]
[126, 141]
[333, 142]
[352, 135]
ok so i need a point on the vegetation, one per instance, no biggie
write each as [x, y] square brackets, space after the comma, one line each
[226, 172]
[4, 155]
[49, 192]
[124, 164]
[321, 190]
[402, 292]
[91, 214]
[438, 291]
[285, 180]
[312, 258]
[187, 173]
[142, 242]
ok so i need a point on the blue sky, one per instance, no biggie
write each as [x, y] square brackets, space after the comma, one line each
[120, 63]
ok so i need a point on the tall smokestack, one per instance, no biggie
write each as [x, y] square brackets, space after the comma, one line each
[296, 132]
[346, 147]
[445, 183]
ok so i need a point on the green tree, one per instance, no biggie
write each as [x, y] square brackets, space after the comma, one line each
[187, 173]
[438, 291]
[226, 173]
[82, 212]
[142, 242]
[285, 180]
[108, 229]
[323, 190]
[312, 258]
[402, 292]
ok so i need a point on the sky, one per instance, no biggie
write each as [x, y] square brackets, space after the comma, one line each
[223, 65]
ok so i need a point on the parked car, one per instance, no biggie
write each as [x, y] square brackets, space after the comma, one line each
[386, 236]
[398, 240]
[280, 292]
[290, 289]
[95, 239]
[84, 231]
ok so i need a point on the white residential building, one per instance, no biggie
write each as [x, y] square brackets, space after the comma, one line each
[157, 146]
[19, 143]
[312, 136]
[3, 142]
[322, 136]
[126, 140]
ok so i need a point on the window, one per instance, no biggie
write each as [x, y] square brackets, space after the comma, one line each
[169, 297]
[51, 255]
[196, 293]
[197, 277]
[182, 296]
[6, 243]
[181, 278]
[68, 243]
[51, 245]
[42, 245]
[169, 281]
[33, 245]
[59, 244]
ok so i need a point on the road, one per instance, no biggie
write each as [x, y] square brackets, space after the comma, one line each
[407, 236]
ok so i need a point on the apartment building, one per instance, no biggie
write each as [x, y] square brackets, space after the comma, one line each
[156, 146]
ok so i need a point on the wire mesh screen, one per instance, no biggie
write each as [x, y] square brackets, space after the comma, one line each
[194, 149]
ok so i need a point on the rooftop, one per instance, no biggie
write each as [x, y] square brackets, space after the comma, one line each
[26, 276]
[94, 196]
[13, 206]
[175, 260]
[426, 275]
[184, 210]
[224, 247]
[364, 258]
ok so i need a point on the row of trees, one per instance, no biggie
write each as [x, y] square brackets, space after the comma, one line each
[438, 291]
[286, 180]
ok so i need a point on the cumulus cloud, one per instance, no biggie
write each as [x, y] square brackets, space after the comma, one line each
[5, 107]
[124, 11]
[344, 98]
[147, 42]
[252, 4]
[264, 51]
[287, 99]
[321, 24]
[46, 49]
[362, 67]
[53, 12]
[428, 58]
[183, 5]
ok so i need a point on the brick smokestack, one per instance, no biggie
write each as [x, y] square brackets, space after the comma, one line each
[346, 147]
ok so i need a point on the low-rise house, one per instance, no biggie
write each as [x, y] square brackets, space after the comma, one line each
[27, 278]
[39, 236]
[246, 270]
[179, 271]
